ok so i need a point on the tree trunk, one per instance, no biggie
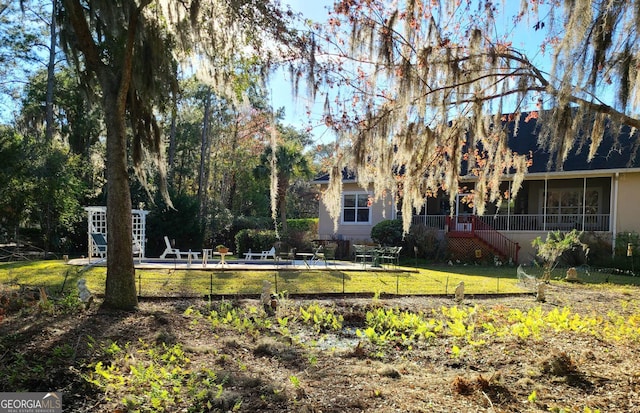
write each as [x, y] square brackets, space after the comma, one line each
[51, 76]
[203, 178]
[120, 289]
[115, 79]
[283, 185]
[172, 138]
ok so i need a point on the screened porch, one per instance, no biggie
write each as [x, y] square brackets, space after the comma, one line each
[540, 205]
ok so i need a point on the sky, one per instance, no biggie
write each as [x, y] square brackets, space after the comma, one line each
[316, 10]
[280, 83]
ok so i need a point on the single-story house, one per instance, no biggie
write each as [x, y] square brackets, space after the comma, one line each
[600, 196]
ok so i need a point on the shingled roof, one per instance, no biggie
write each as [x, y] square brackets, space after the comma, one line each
[613, 153]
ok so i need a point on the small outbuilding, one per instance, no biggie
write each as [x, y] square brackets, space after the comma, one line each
[97, 224]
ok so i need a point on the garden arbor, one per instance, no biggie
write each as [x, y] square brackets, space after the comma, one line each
[97, 224]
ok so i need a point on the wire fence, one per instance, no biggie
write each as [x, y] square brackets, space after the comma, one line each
[214, 283]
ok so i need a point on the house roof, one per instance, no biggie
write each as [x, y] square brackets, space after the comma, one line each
[613, 153]
[347, 176]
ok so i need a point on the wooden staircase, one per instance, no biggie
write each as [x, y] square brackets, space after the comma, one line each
[470, 239]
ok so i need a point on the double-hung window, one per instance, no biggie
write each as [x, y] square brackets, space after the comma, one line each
[356, 208]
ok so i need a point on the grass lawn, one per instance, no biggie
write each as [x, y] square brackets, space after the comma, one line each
[435, 279]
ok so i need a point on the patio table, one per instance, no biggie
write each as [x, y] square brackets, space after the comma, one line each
[222, 262]
[305, 257]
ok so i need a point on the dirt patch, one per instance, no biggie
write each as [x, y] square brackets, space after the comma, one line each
[242, 360]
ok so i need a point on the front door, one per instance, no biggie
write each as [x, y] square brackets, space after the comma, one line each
[463, 214]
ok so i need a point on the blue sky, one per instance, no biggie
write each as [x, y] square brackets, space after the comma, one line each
[280, 82]
[526, 39]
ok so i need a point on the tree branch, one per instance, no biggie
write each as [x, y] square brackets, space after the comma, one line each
[84, 38]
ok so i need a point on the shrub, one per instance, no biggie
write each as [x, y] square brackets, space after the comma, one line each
[254, 240]
[301, 233]
[387, 232]
[429, 245]
[599, 251]
[303, 225]
[179, 223]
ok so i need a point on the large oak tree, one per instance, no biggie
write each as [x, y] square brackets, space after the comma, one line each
[129, 51]
[424, 84]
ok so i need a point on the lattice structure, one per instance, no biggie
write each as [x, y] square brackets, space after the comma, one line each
[97, 223]
[465, 249]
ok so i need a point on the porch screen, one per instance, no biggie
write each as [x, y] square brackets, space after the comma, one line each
[356, 208]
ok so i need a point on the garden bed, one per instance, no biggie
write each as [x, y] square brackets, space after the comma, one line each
[577, 352]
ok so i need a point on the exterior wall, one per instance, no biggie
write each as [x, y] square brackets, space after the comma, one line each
[524, 238]
[380, 210]
[529, 201]
[627, 217]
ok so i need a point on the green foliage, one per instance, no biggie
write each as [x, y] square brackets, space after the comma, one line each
[388, 232]
[623, 239]
[155, 377]
[255, 240]
[303, 225]
[301, 233]
[179, 223]
[555, 245]
[15, 201]
[321, 318]
[429, 244]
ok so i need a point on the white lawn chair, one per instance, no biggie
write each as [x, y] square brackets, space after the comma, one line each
[252, 255]
[271, 254]
[264, 255]
[170, 250]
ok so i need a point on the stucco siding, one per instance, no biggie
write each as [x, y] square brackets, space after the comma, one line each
[628, 217]
[380, 210]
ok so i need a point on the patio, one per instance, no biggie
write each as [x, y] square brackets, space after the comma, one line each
[239, 265]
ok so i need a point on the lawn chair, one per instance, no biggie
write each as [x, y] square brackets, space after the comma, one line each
[362, 254]
[391, 255]
[170, 250]
[326, 253]
[263, 255]
[99, 245]
[270, 254]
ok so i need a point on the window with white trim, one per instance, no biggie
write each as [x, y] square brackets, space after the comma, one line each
[356, 208]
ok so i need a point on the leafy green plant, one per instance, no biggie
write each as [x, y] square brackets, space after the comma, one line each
[295, 381]
[156, 377]
[556, 243]
[322, 319]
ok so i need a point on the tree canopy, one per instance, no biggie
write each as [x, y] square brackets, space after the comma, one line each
[129, 52]
[417, 88]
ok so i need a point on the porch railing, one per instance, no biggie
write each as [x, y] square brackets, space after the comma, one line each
[472, 226]
[431, 221]
[504, 245]
[528, 222]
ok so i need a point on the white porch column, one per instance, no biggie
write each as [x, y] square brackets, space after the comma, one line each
[613, 213]
[584, 200]
[544, 210]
